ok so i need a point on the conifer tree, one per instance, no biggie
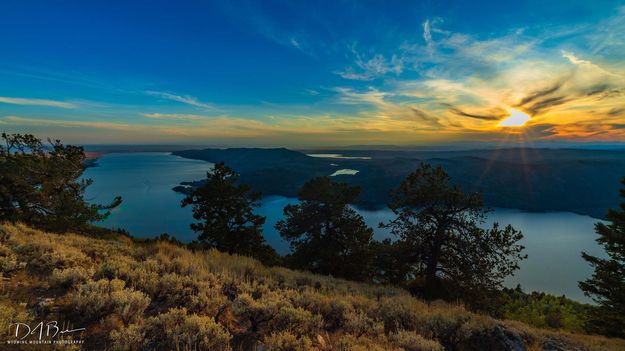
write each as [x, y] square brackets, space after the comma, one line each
[607, 284]
[326, 234]
[225, 211]
[42, 185]
[442, 228]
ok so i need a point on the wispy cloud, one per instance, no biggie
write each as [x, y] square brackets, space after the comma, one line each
[185, 99]
[36, 102]
[427, 33]
[175, 116]
[17, 120]
[371, 67]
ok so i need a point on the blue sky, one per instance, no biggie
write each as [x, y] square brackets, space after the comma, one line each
[304, 73]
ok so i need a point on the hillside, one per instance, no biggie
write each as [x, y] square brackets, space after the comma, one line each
[156, 295]
[580, 181]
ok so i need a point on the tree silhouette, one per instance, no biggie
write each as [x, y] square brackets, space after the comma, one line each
[442, 227]
[40, 185]
[327, 235]
[607, 284]
[225, 211]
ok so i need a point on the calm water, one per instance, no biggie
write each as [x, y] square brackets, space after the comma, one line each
[553, 241]
[144, 181]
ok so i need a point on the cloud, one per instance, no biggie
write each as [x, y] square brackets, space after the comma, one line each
[36, 102]
[574, 60]
[427, 33]
[617, 112]
[540, 93]
[426, 117]
[373, 67]
[186, 99]
[295, 43]
[291, 34]
[371, 97]
[175, 116]
[68, 123]
[494, 114]
[608, 39]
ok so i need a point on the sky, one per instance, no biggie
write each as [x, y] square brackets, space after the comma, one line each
[314, 73]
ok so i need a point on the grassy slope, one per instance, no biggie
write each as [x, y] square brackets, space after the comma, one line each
[156, 295]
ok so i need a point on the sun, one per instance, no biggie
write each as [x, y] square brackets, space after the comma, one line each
[516, 119]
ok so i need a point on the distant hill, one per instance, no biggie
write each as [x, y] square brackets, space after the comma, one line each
[158, 295]
[581, 181]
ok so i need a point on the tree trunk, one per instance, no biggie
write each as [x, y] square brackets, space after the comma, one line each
[432, 266]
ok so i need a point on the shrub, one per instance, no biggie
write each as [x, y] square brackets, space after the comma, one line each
[8, 315]
[273, 313]
[177, 330]
[44, 255]
[336, 312]
[398, 314]
[349, 342]
[128, 338]
[5, 234]
[411, 341]
[286, 341]
[173, 289]
[358, 323]
[70, 276]
[8, 260]
[104, 297]
[129, 304]
[295, 320]
[120, 267]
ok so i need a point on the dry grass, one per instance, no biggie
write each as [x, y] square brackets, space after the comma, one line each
[157, 295]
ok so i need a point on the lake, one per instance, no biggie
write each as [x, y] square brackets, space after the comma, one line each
[150, 207]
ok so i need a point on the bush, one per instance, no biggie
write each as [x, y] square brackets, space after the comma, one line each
[97, 299]
[273, 313]
[286, 341]
[359, 323]
[129, 304]
[295, 320]
[43, 255]
[8, 260]
[119, 266]
[8, 315]
[129, 338]
[177, 330]
[351, 343]
[70, 276]
[399, 314]
[411, 341]
[5, 234]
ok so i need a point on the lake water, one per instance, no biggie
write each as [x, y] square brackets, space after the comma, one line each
[553, 241]
[145, 181]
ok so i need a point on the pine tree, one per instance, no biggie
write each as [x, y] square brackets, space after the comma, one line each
[41, 185]
[441, 227]
[225, 211]
[607, 284]
[327, 235]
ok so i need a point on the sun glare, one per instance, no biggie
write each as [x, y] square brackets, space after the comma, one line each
[516, 119]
